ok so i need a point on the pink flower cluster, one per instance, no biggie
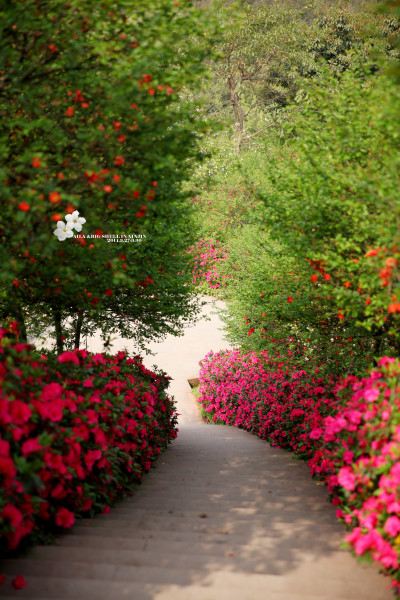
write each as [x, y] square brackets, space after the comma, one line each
[76, 432]
[208, 255]
[349, 431]
[359, 459]
[267, 397]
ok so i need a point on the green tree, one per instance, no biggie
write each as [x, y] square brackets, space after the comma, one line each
[314, 271]
[269, 49]
[92, 119]
[322, 273]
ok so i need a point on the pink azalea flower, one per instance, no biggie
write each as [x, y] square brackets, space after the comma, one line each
[68, 356]
[371, 394]
[346, 478]
[392, 526]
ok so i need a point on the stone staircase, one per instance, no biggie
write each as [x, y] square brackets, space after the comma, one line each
[222, 516]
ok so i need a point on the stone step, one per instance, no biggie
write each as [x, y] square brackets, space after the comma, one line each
[275, 469]
[212, 472]
[222, 484]
[8, 589]
[95, 580]
[131, 591]
[119, 529]
[217, 506]
[166, 521]
[290, 494]
[221, 503]
[194, 452]
[219, 489]
[194, 456]
[253, 559]
[172, 539]
[210, 545]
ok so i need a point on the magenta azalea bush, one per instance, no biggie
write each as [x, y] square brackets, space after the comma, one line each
[267, 397]
[208, 256]
[359, 459]
[349, 431]
[76, 432]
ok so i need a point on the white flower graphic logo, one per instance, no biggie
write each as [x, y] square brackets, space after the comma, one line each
[65, 230]
[75, 221]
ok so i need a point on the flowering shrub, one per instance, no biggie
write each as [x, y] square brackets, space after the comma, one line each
[76, 432]
[348, 430]
[359, 459]
[208, 255]
[266, 397]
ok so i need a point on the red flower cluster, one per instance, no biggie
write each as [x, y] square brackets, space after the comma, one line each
[318, 265]
[349, 431]
[76, 432]
[386, 273]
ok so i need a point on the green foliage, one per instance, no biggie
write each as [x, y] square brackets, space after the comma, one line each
[93, 119]
[308, 210]
[269, 50]
[331, 194]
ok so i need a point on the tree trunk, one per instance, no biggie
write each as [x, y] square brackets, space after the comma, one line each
[58, 329]
[19, 315]
[238, 112]
[78, 329]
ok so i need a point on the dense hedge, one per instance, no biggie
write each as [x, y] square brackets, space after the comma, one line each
[348, 430]
[76, 432]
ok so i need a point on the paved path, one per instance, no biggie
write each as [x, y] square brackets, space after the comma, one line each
[222, 517]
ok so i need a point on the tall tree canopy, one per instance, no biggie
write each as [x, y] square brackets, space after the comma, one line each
[92, 120]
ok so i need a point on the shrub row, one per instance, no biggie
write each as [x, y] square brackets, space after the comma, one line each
[349, 431]
[76, 432]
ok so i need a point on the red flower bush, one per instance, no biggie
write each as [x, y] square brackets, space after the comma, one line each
[348, 430]
[76, 432]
